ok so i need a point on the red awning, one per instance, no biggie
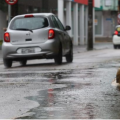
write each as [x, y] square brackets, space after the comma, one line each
[85, 2]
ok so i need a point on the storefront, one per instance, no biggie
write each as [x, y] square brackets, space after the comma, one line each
[34, 6]
[106, 19]
[98, 23]
[71, 12]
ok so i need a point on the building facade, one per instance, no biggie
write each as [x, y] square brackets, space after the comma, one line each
[3, 17]
[70, 12]
[106, 18]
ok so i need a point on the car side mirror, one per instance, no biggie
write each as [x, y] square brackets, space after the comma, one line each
[68, 28]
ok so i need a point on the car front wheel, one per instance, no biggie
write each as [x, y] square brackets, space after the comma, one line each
[7, 63]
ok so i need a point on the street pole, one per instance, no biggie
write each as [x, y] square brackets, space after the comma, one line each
[118, 6]
[90, 25]
[9, 13]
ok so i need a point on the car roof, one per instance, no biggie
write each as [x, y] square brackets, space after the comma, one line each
[36, 14]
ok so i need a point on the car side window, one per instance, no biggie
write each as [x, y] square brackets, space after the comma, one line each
[60, 24]
[54, 22]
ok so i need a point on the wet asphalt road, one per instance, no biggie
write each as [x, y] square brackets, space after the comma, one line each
[80, 90]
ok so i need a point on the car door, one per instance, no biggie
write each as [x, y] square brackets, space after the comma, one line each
[66, 36]
[60, 33]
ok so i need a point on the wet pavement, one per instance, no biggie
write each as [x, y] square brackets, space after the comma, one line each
[80, 90]
[84, 96]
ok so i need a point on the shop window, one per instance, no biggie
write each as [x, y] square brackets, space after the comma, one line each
[98, 23]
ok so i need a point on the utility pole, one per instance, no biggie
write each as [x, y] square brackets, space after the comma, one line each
[9, 13]
[90, 25]
[118, 6]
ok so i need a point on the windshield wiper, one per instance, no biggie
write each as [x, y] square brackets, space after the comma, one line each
[24, 29]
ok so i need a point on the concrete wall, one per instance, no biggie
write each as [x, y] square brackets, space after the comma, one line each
[3, 23]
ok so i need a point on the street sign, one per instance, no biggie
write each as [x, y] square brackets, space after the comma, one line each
[11, 2]
[118, 18]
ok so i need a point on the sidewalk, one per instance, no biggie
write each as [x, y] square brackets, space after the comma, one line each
[97, 46]
[82, 48]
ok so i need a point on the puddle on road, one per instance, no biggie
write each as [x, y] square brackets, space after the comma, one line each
[58, 103]
[88, 94]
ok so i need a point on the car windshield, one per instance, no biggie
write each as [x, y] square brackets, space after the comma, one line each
[31, 23]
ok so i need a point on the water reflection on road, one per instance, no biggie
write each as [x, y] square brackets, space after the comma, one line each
[88, 95]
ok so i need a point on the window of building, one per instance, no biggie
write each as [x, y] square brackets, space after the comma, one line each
[108, 2]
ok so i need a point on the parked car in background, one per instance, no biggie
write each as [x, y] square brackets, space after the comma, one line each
[116, 37]
[36, 36]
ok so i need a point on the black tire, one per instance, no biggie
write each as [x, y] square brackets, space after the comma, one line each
[115, 46]
[23, 62]
[58, 58]
[69, 56]
[7, 63]
[118, 46]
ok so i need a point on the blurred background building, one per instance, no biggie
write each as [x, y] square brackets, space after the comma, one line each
[3, 16]
[105, 16]
[70, 12]
[119, 5]
[106, 19]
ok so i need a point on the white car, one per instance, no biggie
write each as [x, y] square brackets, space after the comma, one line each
[36, 36]
[116, 37]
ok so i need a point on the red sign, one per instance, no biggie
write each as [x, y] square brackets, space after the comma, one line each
[11, 2]
[85, 2]
[118, 18]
